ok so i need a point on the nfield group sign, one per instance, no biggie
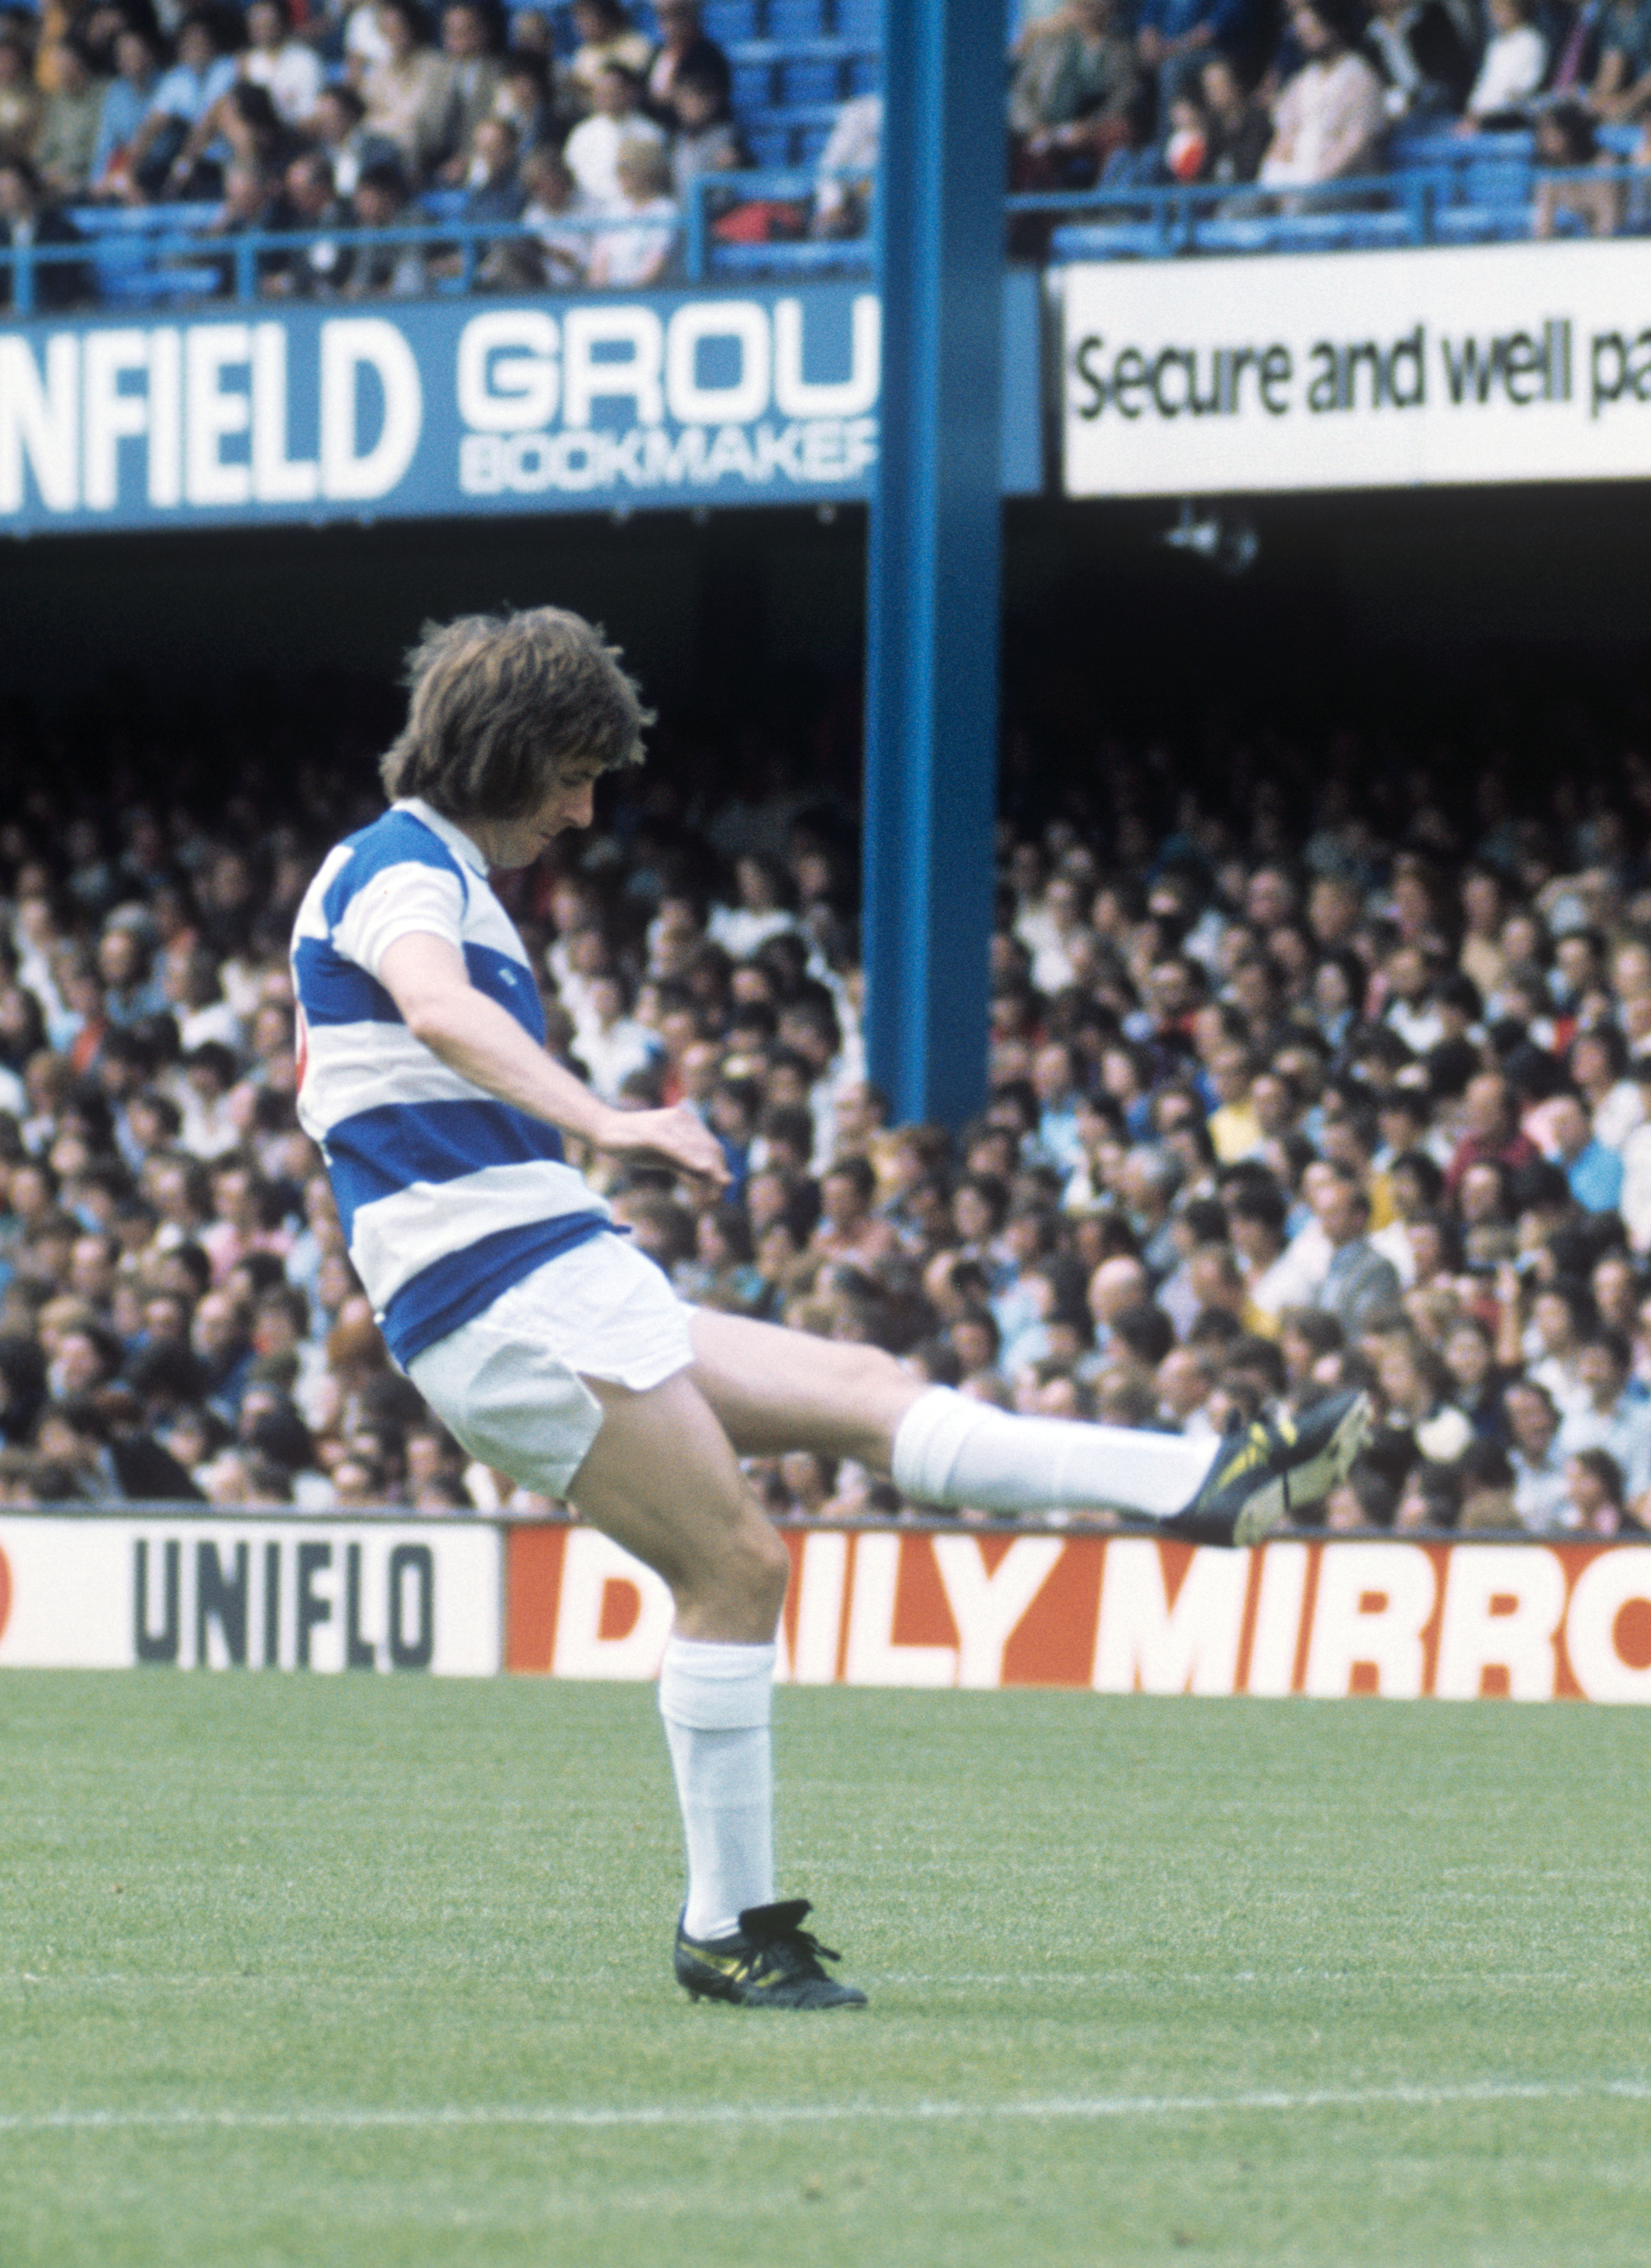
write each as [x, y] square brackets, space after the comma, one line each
[436, 408]
[1500, 363]
[955, 1608]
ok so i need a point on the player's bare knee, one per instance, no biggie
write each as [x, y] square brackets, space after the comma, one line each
[767, 1568]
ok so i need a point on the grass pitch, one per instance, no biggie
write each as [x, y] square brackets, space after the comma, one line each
[357, 1972]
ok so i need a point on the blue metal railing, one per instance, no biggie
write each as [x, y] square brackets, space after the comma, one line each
[1481, 194]
[157, 240]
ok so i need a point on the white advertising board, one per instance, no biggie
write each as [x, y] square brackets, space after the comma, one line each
[1500, 363]
[95, 1594]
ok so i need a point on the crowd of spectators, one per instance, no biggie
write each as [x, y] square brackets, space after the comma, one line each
[1291, 1086]
[1235, 92]
[289, 120]
[583, 134]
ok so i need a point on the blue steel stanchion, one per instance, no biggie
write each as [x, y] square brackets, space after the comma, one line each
[934, 567]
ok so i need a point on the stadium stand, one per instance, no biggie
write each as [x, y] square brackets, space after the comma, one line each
[1150, 164]
[1332, 1070]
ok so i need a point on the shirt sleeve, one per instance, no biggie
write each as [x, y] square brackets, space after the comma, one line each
[402, 900]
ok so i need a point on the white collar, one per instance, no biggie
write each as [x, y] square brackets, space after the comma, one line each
[455, 838]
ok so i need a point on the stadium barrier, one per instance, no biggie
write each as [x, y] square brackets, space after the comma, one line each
[881, 1603]
[173, 254]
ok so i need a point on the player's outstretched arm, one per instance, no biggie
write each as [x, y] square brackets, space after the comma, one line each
[425, 976]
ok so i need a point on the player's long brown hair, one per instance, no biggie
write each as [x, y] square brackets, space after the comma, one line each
[503, 705]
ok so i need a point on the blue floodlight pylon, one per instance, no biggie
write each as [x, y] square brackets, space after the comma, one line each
[935, 552]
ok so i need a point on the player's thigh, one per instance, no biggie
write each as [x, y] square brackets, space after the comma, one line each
[661, 1479]
[775, 1391]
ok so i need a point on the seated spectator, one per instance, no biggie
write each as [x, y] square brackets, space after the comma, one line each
[591, 149]
[287, 67]
[250, 198]
[383, 271]
[346, 141]
[406, 94]
[471, 73]
[1360, 1289]
[1622, 83]
[684, 52]
[1593, 1174]
[523, 97]
[1566, 142]
[1236, 125]
[181, 98]
[1616, 1415]
[307, 201]
[706, 140]
[1511, 70]
[1595, 1496]
[1422, 57]
[606, 37]
[639, 255]
[846, 168]
[1175, 37]
[19, 99]
[560, 255]
[1330, 120]
[493, 193]
[1071, 97]
[69, 117]
[122, 109]
[99, 1439]
[28, 218]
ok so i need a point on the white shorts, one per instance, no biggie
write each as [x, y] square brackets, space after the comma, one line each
[509, 1384]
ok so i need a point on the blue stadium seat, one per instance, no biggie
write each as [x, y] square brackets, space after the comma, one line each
[1318, 231]
[141, 256]
[1619, 141]
[729, 21]
[1417, 147]
[865, 73]
[806, 127]
[860, 21]
[753, 69]
[792, 20]
[769, 143]
[443, 204]
[1112, 239]
[811, 79]
[799, 259]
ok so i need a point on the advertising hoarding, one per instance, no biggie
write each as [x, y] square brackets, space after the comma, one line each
[208, 1593]
[1526, 1620]
[1489, 364]
[440, 407]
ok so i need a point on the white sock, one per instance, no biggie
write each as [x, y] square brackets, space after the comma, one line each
[715, 1700]
[950, 1449]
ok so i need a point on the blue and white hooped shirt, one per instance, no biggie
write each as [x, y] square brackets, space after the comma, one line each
[447, 1195]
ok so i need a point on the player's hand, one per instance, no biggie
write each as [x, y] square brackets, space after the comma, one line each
[675, 1137]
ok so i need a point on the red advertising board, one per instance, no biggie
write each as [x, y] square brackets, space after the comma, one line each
[1120, 1614]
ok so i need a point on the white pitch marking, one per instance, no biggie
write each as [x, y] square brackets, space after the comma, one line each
[344, 2119]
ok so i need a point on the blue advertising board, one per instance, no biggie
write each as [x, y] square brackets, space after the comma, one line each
[432, 409]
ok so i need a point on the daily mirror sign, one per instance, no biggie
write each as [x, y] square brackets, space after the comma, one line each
[1383, 370]
[439, 407]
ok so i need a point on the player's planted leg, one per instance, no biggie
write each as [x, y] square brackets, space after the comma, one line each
[661, 1479]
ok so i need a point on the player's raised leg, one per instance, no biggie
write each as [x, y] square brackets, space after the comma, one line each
[775, 1391]
[661, 1480]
